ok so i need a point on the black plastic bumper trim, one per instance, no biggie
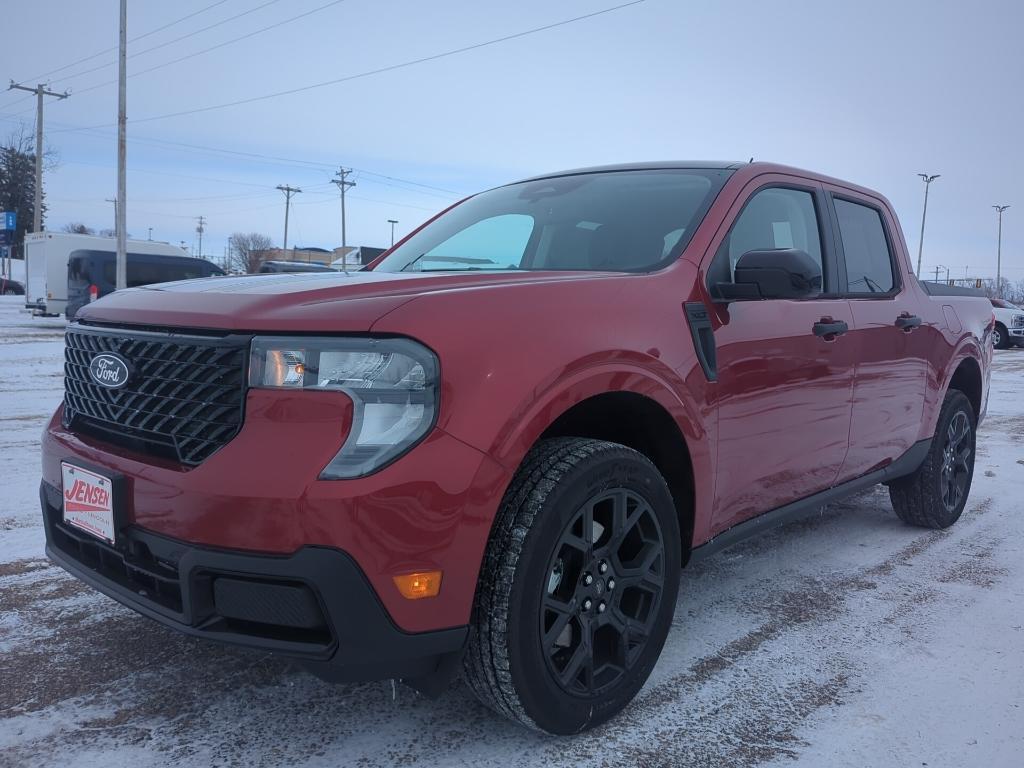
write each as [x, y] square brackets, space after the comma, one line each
[357, 641]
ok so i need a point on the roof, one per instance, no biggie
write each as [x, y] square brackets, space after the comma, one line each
[746, 170]
[651, 165]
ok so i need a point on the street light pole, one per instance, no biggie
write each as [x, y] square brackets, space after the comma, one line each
[999, 252]
[392, 222]
[920, 245]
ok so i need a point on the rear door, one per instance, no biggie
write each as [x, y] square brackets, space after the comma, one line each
[888, 335]
[783, 392]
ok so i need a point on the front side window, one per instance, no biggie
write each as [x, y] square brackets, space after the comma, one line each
[774, 218]
[621, 221]
[868, 260]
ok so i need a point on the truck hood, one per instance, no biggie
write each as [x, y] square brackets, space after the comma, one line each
[315, 301]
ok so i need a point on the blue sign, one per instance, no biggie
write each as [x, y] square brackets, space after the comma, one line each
[6, 237]
[10, 219]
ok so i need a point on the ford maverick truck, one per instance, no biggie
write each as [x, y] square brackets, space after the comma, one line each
[492, 451]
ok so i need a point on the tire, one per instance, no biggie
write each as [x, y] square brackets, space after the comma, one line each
[537, 619]
[935, 495]
[1000, 338]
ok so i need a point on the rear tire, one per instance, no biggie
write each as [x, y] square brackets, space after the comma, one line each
[935, 495]
[577, 588]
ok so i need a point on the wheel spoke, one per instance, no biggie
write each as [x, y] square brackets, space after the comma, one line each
[581, 659]
[564, 616]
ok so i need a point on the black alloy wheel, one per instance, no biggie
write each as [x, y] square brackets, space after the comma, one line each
[956, 455]
[603, 591]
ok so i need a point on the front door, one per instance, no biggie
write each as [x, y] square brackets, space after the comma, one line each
[784, 386]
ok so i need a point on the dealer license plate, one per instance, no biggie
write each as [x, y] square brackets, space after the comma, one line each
[88, 501]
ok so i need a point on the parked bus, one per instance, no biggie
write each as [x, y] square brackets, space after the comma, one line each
[48, 254]
[93, 274]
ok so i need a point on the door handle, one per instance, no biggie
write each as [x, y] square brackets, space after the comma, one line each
[829, 328]
[907, 322]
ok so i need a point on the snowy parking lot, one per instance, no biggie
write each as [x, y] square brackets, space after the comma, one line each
[846, 639]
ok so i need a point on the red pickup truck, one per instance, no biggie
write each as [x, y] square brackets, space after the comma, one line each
[495, 448]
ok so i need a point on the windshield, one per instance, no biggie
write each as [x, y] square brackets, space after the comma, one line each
[622, 221]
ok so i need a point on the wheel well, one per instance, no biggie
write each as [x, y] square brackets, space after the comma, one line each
[644, 425]
[967, 379]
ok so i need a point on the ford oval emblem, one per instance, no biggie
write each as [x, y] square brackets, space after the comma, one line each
[110, 371]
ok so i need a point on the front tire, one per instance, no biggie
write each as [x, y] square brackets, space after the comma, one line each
[577, 588]
[935, 495]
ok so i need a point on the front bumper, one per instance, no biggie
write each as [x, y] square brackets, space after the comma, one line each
[260, 494]
[315, 604]
[1016, 336]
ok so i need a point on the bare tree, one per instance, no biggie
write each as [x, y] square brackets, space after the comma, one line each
[78, 228]
[247, 251]
[988, 287]
[1016, 293]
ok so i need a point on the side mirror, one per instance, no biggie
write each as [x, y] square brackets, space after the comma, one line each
[785, 273]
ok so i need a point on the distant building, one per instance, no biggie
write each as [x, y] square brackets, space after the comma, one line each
[307, 255]
[354, 256]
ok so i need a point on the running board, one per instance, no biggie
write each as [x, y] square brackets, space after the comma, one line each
[906, 464]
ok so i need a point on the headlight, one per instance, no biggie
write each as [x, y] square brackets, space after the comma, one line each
[393, 384]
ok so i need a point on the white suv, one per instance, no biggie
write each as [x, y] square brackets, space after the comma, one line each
[1009, 324]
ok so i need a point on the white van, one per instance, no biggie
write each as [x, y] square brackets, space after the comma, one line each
[46, 264]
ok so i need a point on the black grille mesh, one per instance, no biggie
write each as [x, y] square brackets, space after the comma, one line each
[183, 400]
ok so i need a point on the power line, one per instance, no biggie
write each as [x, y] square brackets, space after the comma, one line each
[175, 40]
[211, 48]
[274, 159]
[381, 70]
[132, 40]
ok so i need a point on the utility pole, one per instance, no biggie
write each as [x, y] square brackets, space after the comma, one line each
[920, 245]
[937, 268]
[343, 183]
[999, 252]
[150, 236]
[39, 91]
[199, 229]
[288, 192]
[122, 151]
[392, 222]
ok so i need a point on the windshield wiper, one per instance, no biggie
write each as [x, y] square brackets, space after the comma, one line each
[448, 260]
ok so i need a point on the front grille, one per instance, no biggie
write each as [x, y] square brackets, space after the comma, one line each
[1018, 321]
[183, 399]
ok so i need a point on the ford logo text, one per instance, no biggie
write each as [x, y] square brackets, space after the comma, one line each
[109, 371]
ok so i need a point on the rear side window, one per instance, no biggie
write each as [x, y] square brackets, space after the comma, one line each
[868, 259]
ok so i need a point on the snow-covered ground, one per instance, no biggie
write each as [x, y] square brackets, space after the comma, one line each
[847, 639]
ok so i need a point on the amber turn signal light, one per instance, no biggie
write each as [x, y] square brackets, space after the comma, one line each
[414, 586]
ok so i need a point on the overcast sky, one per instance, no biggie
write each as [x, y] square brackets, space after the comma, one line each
[869, 91]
